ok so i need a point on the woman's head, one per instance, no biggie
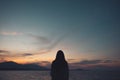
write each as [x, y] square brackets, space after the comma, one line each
[60, 56]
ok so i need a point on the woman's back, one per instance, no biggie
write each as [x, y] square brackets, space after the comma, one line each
[59, 68]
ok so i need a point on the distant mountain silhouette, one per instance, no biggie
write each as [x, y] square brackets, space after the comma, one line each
[15, 66]
[106, 68]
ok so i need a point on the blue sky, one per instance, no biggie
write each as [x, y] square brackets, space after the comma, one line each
[84, 29]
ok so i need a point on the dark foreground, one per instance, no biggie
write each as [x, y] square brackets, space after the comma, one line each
[74, 75]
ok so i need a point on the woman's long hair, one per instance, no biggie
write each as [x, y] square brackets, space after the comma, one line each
[60, 56]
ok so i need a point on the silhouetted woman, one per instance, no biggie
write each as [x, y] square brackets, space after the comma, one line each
[59, 68]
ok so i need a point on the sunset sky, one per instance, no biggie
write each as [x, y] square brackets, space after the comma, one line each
[88, 31]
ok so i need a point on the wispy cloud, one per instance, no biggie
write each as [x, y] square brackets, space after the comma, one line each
[71, 60]
[95, 63]
[41, 39]
[47, 43]
[26, 54]
[108, 61]
[22, 55]
[92, 62]
[84, 62]
[53, 44]
[4, 51]
[7, 54]
[46, 62]
[6, 33]
[4, 54]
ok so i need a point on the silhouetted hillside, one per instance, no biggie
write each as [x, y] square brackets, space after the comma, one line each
[15, 66]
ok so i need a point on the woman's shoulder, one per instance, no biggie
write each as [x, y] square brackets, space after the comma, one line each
[54, 62]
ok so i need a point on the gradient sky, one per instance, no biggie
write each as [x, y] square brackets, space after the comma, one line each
[88, 31]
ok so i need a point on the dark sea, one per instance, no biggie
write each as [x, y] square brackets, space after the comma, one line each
[74, 75]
